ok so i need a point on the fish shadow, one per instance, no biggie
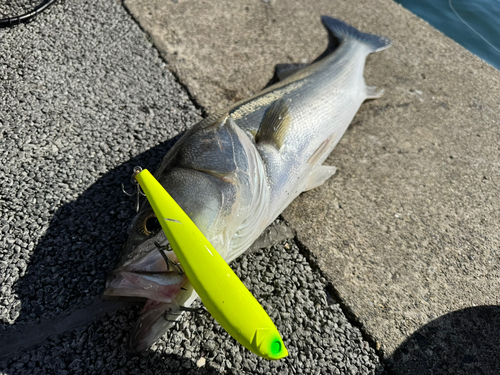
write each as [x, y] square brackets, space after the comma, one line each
[68, 270]
[73, 258]
[462, 342]
[90, 351]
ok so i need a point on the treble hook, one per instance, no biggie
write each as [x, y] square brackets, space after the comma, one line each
[194, 310]
[138, 192]
[176, 267]
[182, 309]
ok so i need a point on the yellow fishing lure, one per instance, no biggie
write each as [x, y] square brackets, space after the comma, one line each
[221, 291]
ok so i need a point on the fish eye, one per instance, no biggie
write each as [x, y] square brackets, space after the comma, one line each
[150, 226]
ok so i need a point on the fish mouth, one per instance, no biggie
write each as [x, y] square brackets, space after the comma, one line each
[163, 286]
[161, 310]
[152, 324]
[150, 277]
[156, 318]
[160, 287]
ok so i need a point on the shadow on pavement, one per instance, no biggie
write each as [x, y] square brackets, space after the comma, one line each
[93, 352]
[462, 342]
[66, 274]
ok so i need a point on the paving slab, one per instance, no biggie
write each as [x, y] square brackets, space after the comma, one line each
[85, 97]
[408, 230]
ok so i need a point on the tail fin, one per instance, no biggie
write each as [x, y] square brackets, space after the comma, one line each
[339, 31]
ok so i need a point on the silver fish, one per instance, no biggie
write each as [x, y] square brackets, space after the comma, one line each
[235, 172]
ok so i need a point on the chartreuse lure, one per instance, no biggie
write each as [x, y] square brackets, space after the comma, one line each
[221, 291]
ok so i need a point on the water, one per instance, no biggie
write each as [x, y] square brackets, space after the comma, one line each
[475, 24]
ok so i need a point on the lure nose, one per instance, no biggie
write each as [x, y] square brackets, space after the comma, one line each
[278, 349]
[269, 344]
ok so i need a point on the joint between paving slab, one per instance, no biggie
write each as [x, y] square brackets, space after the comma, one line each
[335, 295]
[176, 77]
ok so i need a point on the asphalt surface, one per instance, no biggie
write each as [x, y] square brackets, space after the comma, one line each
[84, 97]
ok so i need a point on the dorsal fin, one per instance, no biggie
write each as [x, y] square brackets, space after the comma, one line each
[283, 71]
[275, 124]
[222, 121]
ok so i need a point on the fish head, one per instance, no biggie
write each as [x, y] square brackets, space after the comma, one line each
[143, 272]
[217, 178]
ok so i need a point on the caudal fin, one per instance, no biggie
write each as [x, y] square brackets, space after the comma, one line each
[339, 31]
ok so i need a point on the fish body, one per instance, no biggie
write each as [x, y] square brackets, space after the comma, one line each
[236, 171]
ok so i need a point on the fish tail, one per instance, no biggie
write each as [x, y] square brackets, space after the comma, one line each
[339, 31]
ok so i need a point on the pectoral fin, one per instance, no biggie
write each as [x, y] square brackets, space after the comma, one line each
[322, 152]
[319, 175]
[275, 124]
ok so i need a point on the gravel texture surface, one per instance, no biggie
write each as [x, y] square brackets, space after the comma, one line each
[84, 97]
[319, 338]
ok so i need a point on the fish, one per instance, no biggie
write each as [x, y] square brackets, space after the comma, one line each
[235, 171]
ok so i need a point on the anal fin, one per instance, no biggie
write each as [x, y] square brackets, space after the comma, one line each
[373, 92]
[319, 175]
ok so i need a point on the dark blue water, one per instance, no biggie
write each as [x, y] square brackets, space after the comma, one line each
[475, 24]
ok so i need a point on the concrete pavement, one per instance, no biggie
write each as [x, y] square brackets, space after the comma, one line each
[407, 232]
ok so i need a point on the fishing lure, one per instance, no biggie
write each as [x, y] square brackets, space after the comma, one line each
[221, 291]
